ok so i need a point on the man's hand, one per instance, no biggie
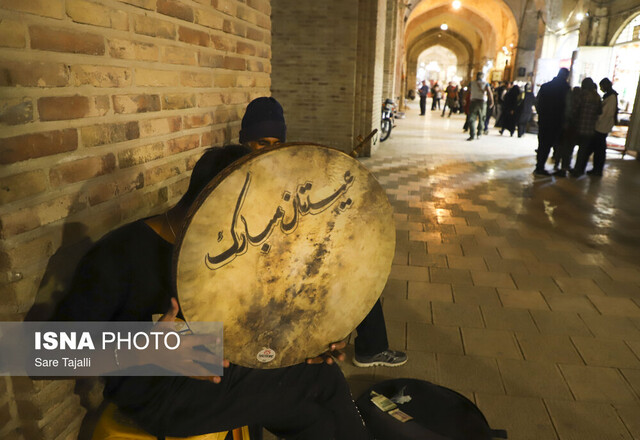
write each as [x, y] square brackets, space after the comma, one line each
[187, 349]
[330, 356]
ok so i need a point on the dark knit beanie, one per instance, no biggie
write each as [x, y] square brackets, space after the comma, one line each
[263, 118]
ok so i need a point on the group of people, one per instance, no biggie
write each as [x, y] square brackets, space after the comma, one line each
[567, 118]
[125, 277]
[451, 95]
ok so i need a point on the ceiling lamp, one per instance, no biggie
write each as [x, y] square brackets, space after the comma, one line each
[456, 4]
[561, 25]
[579, 16]
[444, 26]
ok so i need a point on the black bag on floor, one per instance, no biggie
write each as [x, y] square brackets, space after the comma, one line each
[438, 414]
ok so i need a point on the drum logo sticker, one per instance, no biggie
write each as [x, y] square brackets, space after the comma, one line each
[300, 205]
[266, 355]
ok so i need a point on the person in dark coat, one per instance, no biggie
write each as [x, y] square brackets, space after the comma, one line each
[551, 109]
[525, 109]
[509, 107]
[423, 91]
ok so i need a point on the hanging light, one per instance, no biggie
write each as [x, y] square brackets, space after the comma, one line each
[579, 16]
[561, 25]
[457, 4]
[444, 26]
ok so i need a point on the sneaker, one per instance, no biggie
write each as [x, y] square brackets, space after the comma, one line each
[538, 172]
[387, 358]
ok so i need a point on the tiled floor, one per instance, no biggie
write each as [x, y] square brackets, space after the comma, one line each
[522, 293]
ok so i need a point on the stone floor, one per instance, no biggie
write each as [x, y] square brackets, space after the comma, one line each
[521, 293]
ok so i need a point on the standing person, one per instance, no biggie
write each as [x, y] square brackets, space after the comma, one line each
[509, 108]
[585, 107]
[263, 125]
[423, 91]
[451, 100]
[490, 110]
[499, 95]
[480, 97]
[550, 106]
[436, 95]
[125, 277]
[524, 112]
[605, 122]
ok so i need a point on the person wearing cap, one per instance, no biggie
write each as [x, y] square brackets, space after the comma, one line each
[263, 125]
[124, 277]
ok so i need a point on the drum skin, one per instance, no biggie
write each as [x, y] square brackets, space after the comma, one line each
[290, 247]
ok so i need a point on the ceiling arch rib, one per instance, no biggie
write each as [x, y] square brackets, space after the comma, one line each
[471, 26]
[450, 40]
[493, 20]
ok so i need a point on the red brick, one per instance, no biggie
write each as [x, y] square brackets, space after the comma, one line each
[193, 36]
[133, 50]
[213, 138]
[175, 9]
[255, 34]
[144, 4]
[20, 186]
[160, 126]
[223, 42]
[139, 155]
[184, 143]
[210, 99]
[195, 121]
[12, 34]
[229, 7]
[178, 101]
[208, 59]
[245, 48]
[31, 146]
[33, 74]
[82, 169]
[44, 8]
[154, 28]
[102, 134]
[180, 55]
[235, 28]
[234, 63]
[163, 172]
[209, 19]
[194, 79]
[136, 103]
[60, 108]
[224, 80]
[263, 6]
[16, 111]
[59, 40]
[101, 76]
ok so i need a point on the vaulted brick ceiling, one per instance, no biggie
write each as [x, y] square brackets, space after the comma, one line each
[484, 25]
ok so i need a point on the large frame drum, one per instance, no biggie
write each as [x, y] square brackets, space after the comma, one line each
[290, 247]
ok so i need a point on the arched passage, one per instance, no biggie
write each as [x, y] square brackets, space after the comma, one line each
[483, 33]
[452, 41]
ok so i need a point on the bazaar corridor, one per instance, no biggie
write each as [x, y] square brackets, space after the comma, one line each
[521, 292]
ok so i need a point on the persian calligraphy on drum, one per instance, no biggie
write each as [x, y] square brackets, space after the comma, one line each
[290, 248]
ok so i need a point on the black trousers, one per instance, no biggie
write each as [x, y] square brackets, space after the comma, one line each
[596, 146]
[423, 104]
[299, 402]
[547, 139]
[372, 333]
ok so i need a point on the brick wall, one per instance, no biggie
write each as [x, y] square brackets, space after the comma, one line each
[105, 106]
[314, 69]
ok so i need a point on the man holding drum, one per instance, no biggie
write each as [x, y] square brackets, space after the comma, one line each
[263, 125]
[126, 277]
